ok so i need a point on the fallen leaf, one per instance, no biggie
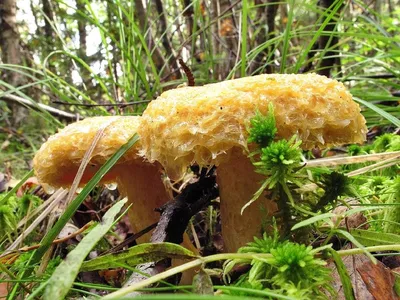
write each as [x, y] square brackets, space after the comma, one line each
[370, 281]
[378, 279]
[360, 289]
[357, 220]
[3, 290]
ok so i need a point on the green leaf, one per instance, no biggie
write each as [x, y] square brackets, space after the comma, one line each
[352, 239]
[64, 275]
[380, 111]
[136, 255]
[313, 220]
[373, 238]
[360, 209]
[344, 275]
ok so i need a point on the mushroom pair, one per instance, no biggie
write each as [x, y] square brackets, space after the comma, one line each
[207, 125]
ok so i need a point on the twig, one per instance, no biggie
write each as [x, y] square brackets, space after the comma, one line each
[40, 106]
[107, 104]
[59, 241]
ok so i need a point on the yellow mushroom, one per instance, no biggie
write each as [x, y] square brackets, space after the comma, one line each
[207, 125]
[58, 160]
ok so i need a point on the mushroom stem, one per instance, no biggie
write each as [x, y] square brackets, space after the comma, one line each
[238, 181]
[143, 186]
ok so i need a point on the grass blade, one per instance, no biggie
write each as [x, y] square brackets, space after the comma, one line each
[52, 234]
[344, 275]
[64, 276]
[352, 239]
[313, 220]
[379, 111]
[373, 238]
[136, 255]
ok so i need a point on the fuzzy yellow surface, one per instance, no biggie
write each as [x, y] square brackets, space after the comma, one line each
[58, 160]
[201, 124]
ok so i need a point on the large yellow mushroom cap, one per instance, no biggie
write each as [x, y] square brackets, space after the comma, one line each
[200, 124]
[58, 160]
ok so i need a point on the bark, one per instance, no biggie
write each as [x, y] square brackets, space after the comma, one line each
[81, 29]
[115, 55]
[391, 9]
[188, 14]
[330, 58]
[11, 52]
[215, 37]
[49, 16]
[269, 12]
[225, 37]
[165, 40]
[230, 37]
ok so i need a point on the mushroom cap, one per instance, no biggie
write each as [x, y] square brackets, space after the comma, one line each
[201, 124]
[58, 160]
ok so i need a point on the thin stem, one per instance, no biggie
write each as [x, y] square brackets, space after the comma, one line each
[224, 256]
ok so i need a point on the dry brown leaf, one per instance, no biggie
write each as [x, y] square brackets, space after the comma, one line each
[378, 279]
[369, 281]
[3, 290]
[357, 220]
[360, 290]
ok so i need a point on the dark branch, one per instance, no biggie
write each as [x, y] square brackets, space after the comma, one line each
[175, 216]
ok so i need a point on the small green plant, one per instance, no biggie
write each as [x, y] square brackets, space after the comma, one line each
[292, 269]
[392, 214]
[335, 184]
[387, 142]
[13, 210]
[280, 160]
[263, 128]
[8, 217]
